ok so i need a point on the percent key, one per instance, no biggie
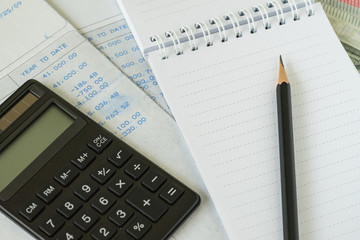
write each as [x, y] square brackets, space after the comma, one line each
[138, 227]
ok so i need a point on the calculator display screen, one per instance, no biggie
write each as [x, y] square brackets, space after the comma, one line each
[31, 143]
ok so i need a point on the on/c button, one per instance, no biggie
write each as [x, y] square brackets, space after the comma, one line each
[31, 210]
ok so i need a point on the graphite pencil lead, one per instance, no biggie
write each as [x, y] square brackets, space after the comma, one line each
[282, 74]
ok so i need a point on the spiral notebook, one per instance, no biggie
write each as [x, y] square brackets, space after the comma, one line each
[217, 64]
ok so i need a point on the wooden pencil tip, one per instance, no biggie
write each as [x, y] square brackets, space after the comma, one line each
[282, 74]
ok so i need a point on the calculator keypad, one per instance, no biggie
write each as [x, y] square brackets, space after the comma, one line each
[104, 231]
[103, 202]
[86, 190]
[138, 227]
[83, 158]
[146, 204]
[154, 180]
[119, 157]
[103, 174]
[69, 207]
[171, 193]
[51, 225]
[136, 168]
[66, 175]
[121, 215]
[120, 184]
[99, 143]
[32, 209]
[122, 204]
[49, 193]
[86, 219]
[70, 233]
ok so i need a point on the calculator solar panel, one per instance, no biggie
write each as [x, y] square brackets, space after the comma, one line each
[64, 177]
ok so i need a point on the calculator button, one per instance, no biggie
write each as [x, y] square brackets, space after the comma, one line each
[154, 180]
[83, 158]
[86, 219]
[70, 233]
[119, 156]
[171, 193]
[51, 225]
[146, 204]
[99, 143]
[120, 185]
[103, 174]
[104, 231]
[103, 202]
[32, 209]
[138, 227]
[86, 191]
[66, 175]
[69, 207]
[136, 168]
[121, 215]
[49, 193]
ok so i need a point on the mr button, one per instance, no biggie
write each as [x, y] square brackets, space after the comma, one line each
[49, 193]
[31, 210]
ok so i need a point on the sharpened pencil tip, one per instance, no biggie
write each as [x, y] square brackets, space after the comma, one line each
[281, 61]
[282, 73]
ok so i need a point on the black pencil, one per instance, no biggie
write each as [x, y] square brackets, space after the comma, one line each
[287, 158]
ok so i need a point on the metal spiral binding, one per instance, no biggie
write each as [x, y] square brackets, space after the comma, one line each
[309, 8]
[264, 14]
[177, 43]
[204, 28]
[161, 46]
[251, 24]
[235, 22]
[278, 10]
[220, 27]
[192, 41]
[294, 9]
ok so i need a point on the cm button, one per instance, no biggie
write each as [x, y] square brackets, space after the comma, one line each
[31, 210]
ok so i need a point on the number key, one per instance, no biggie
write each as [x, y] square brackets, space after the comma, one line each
[121, 215]
[51, 225]
[69, 207]
[103, 202]
[70, 233]
[86, 191]
[104, 231]
[86, 219]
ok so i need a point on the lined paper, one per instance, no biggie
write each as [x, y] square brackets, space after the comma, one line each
[223, 98]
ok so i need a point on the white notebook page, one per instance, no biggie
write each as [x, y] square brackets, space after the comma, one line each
[223, 98]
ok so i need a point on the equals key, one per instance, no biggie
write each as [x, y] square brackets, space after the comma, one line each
[171, 193]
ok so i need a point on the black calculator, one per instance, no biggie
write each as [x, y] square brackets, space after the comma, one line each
[64, 177]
